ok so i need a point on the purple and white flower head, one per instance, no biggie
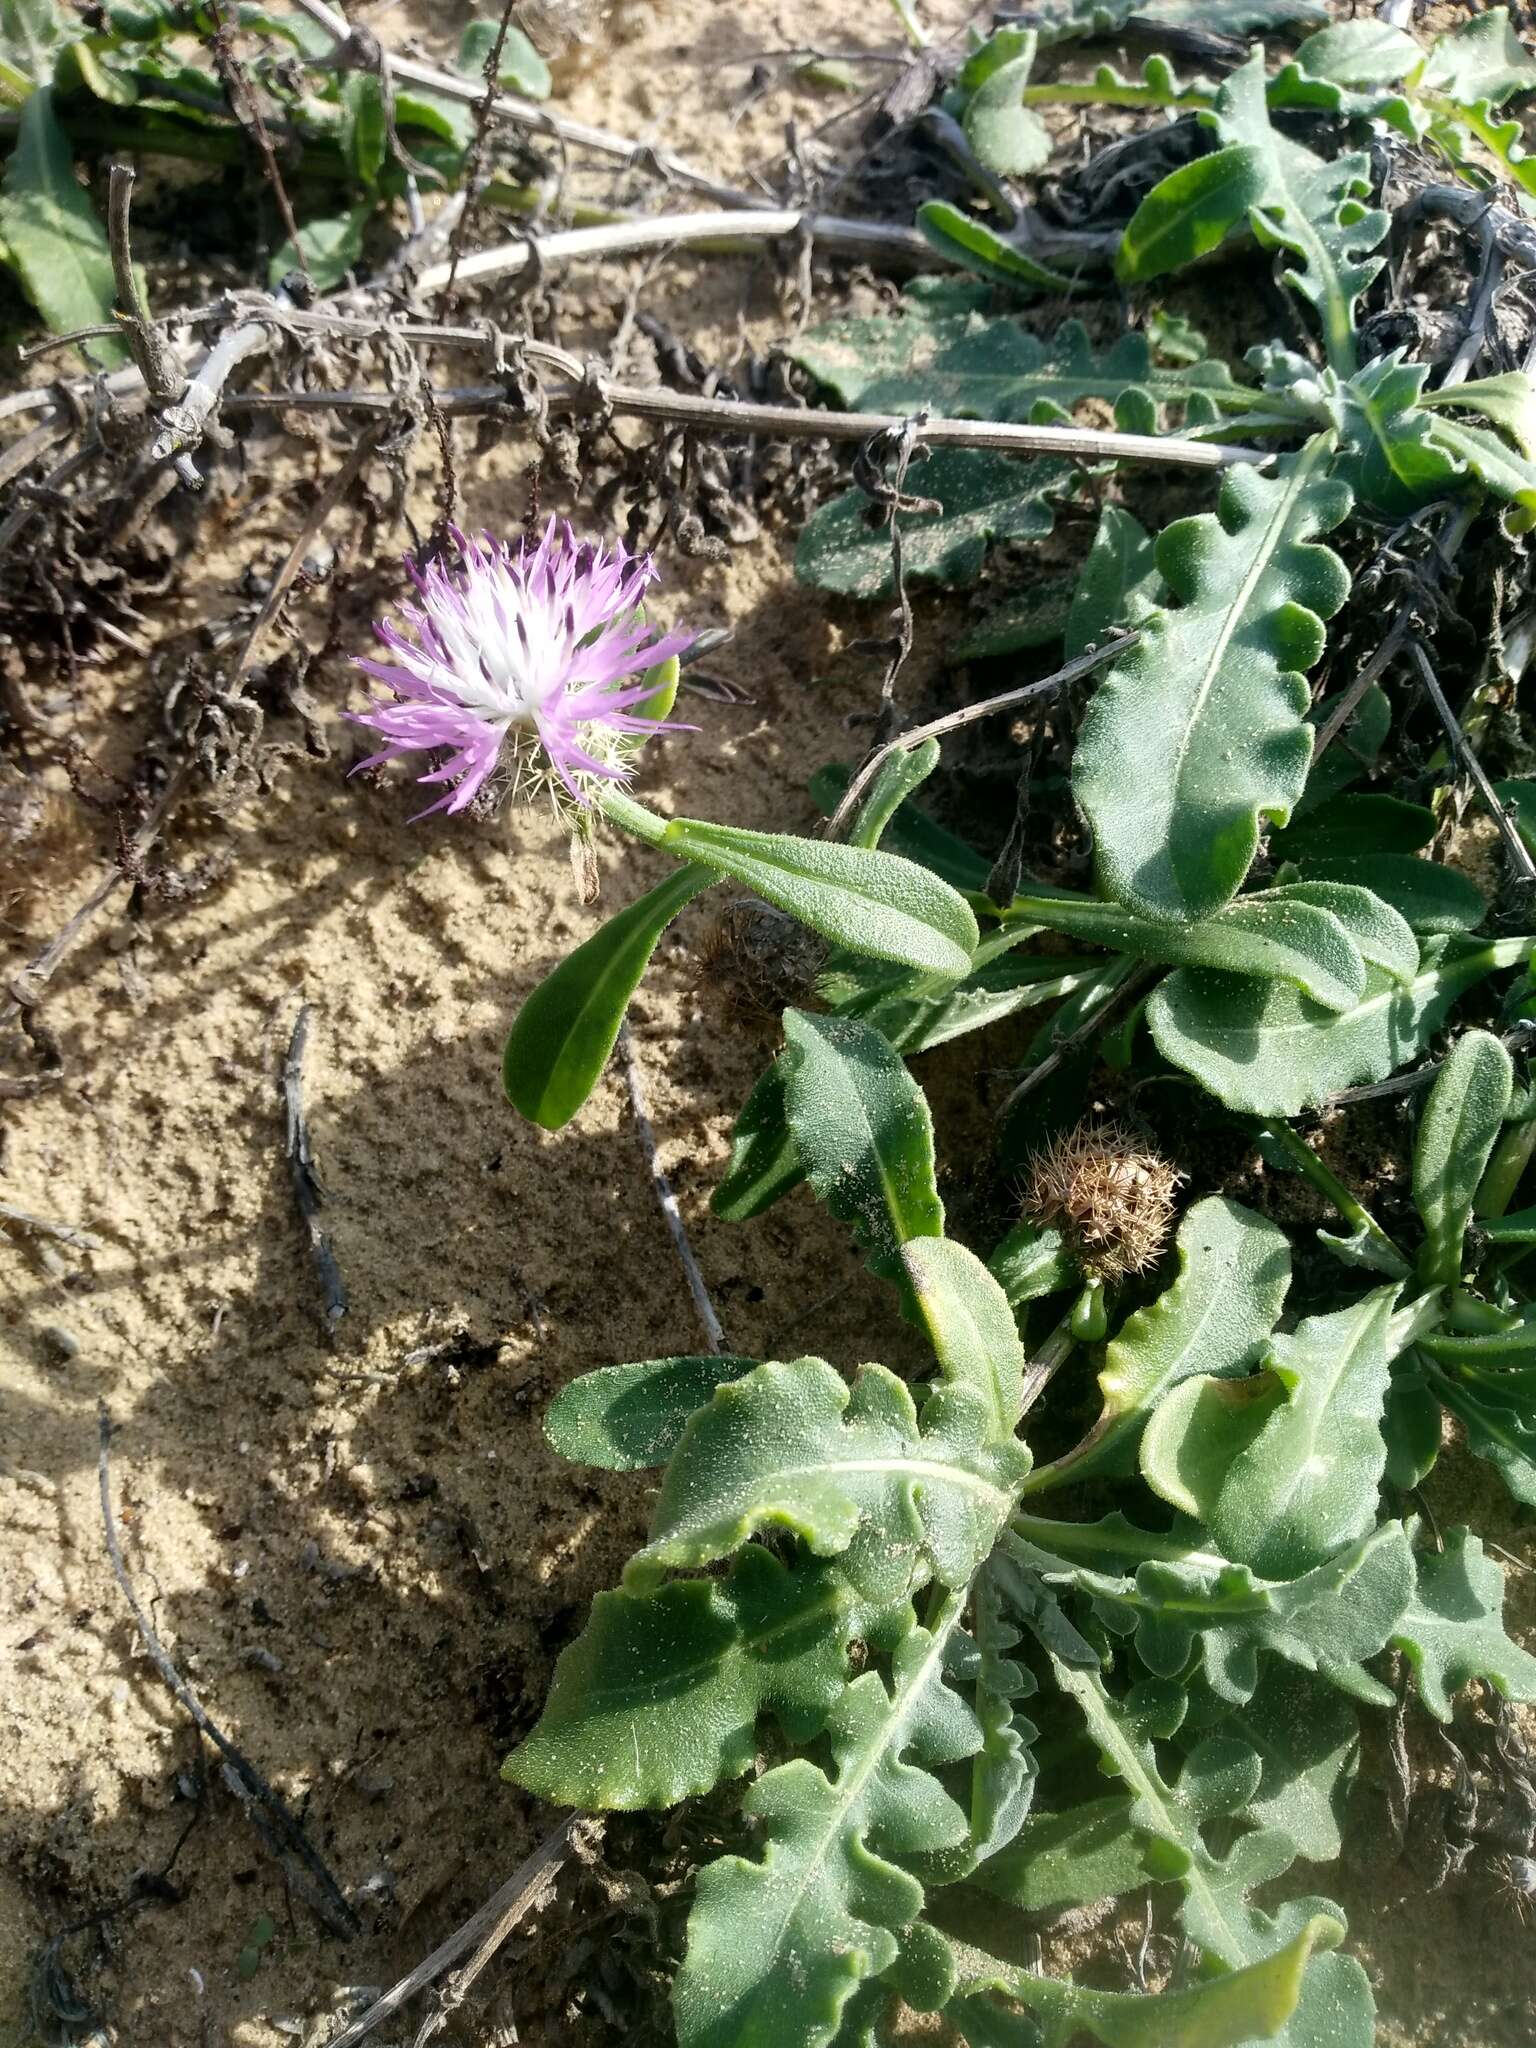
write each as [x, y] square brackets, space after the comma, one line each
[519, 659]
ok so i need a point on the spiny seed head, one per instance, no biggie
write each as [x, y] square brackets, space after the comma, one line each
[1110, 1196]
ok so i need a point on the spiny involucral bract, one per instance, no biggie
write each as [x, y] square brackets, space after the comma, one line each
[1110, 1196]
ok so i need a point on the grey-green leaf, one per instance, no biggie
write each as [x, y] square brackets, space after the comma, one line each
[50, 233]
[862, 1130]
[1263, 1049]
[1199, 732]
[1461, 1120]
[1454, 1630]
[984, 498]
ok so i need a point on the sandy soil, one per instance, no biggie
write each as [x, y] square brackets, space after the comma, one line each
[361, 1553]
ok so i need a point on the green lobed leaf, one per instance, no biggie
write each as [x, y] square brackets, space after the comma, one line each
[1336, 2010]
[984, 498]
[863, 1133]
[1118, 586]
[777, 1947]
[1262, 1049]
[1199, 731]
[970, 367]
[1499, 1419]
[1003, 1771]
[625, 1417]
[51, 237]
[1234, 1273]
[1461, 1120]
[1245, 2005]
[1310, 208]
[872, 901]
[565, 1030]
[1329, 1620]
[791, 1447]
[1307, 1735]
[1481, 59]
[1283, 1467]
[1087, 1851]
[660, 1696]
[1454, 1630]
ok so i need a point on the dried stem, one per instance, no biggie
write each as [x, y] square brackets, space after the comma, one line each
[146, 343]
[1084, 665]
[1519, 852]
[497, 1917]
[308, 1189]
[538, 120]
[40, 1226]
[667, 1200]
[301, 1863]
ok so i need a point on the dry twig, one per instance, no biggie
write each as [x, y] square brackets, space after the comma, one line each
[302, 1865]
[488, 1928]
[308, 1189]
[671, 1214]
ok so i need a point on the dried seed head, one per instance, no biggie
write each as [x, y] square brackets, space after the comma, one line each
[1111, 1198]
[757, 961]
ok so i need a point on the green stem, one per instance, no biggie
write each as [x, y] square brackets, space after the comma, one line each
[1511, 1156]
[1349, 1206]
[1048, 1361]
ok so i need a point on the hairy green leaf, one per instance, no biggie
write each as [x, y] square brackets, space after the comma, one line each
[1032, 1260]
[1360, 53]
[1199, 731]
[913, 834]
[789, 1446]
[894, 781]
[1119, 584]
[872, 901]
[1426, 894]
[1276, 933]
[1283, 1467]
[777, 1947]
[566, 1028]
[521, 68]
[984, 498]
[962, 239]
[1234, 1271]
[1007, 137]
[1088, 1851]
[1261, 1048]
[863, 1133]
[1191, 212]
[1454, 1630]
[765, 1161]
[49, 231]
[659, 1697]
[1353, 827]
[625, 1417]
[969, 1323]
[1245, 2005]
[330, 247]
[1003, 1771]
[1481, 59]
[1461, 1120]
[969, 367]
